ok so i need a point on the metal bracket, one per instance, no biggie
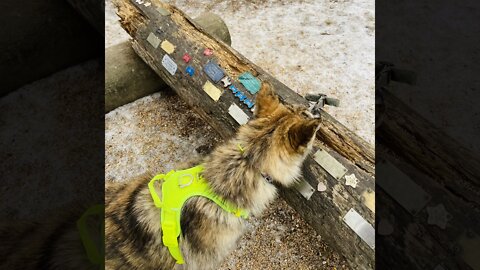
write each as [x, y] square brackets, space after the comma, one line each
[361, 227]
[305, 189]
[319, 101]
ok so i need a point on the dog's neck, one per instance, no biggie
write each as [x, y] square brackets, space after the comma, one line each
[236, 176]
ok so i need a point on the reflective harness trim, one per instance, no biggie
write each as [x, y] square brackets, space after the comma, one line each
[177, 188]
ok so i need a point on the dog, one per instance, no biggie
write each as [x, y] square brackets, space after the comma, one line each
[268, 150]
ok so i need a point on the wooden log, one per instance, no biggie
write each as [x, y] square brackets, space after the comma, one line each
[128, 78]
[151, 23]
[436, 229]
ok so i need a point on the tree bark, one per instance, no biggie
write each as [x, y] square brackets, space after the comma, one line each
[323, 210]
[128, 78]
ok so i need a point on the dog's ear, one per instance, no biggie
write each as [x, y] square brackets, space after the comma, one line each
[302, 132]
[266, 102]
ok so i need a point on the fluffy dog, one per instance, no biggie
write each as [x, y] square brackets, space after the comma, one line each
[270, 148]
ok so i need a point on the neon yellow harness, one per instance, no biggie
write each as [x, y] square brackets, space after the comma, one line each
[177, 188]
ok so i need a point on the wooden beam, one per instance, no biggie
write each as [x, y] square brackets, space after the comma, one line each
[150, 23]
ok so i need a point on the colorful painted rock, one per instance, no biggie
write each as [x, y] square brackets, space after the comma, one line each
[213, 71]
[251, 83]
[248, 102]
[240, 96]
[169, 64]
[163, 12]
[186, 57]
[233, 88]
[226, 81]
[190, 70]
[208, 52]
[167, 46]
[153, 40]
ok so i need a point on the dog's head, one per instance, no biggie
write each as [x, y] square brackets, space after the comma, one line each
[280, 136]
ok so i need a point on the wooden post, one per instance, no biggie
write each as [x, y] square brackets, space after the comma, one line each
[162, 34]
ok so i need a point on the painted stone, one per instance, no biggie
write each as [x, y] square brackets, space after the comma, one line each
[212, 91]
[208, 52]
[190, 70]
[168, 47]
[233, 88]
[226, 81]
[240, 96]
[163, 11]
[321, 187]
[251, 83]
[186, 57]
[238, 114]
[169, 64]
[153, 40]
[249, 103]
[213, 71]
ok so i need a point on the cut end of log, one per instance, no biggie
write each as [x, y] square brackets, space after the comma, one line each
[130, 17]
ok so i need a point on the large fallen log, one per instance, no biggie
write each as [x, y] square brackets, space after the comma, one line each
[128, 78]
[342, 209]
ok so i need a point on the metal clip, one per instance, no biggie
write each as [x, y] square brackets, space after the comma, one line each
[320, 101]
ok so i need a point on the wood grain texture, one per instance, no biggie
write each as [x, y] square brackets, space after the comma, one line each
[324, 210]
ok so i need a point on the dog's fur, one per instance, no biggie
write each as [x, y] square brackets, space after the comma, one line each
[275, 143]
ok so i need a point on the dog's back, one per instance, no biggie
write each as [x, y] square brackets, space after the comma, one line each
[270, 148]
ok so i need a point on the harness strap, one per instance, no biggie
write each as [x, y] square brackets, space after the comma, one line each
[177, 188]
